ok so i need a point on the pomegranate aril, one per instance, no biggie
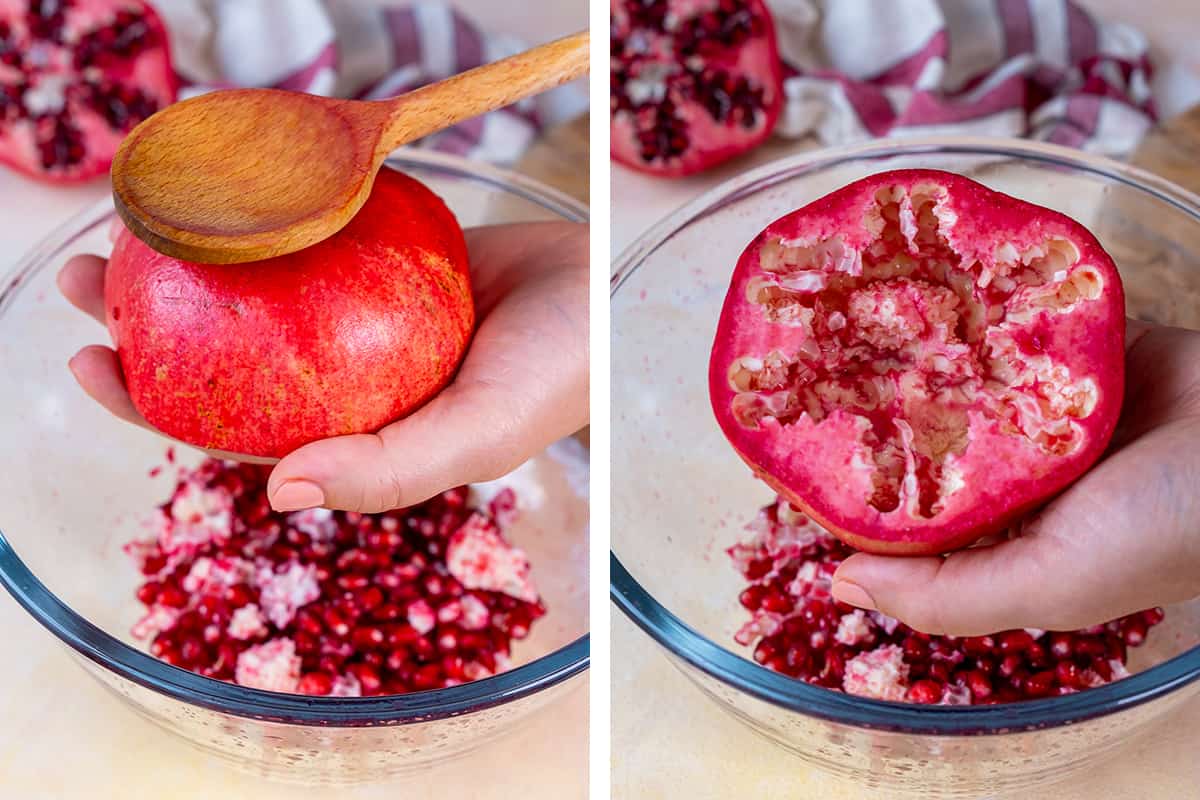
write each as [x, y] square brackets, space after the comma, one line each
[367, 676]
[1008, 666]
[979, 684]
[925, 691]
[1015, 641]
[427, 677]
[315, 683]
[336, 623]
[1066, 673]
[1133, 631]
[147, 593]
[751, 598]
[777, 601]
[1039, 684]
[367, 638]
[353, 582]
[915, 648]
[171, 595]
[1061, 645]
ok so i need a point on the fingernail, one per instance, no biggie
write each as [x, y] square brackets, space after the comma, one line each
[853, 594]
[297, 496]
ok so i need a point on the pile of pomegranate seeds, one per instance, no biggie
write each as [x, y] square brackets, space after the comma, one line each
[329, 602]
[798, 629]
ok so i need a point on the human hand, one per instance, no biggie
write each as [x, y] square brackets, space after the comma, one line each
[1124, 537]
[522, 385]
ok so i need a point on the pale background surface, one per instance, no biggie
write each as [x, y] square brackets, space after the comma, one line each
[669, 741]
[63, 737]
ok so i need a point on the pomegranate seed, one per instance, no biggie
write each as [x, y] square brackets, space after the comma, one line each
[750, 598]
[317, 683]
[1153, 616]
[369, 598]
[777, 601]
[353, 582]
[979, 684]
[925, 691]
[367, 677]
[978, 645]
[915, 648]
[367, 638]
[1061, 645]
[171, 595]
[1039, 684]
[1009, 665]
[1133, 631]
[1015, 641]
[147, 593]
[239, 595]
[1066, 673]
[427, 677]
[336, 623]
[757, 569]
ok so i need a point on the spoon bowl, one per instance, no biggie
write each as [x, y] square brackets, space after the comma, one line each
[202, 180]
[205, 201]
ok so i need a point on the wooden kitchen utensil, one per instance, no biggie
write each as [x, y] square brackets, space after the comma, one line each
[246, 174]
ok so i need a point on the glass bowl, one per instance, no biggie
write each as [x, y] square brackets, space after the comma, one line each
[680, 495]
[74, 486]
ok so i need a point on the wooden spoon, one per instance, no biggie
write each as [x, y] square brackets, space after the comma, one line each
[247, 174]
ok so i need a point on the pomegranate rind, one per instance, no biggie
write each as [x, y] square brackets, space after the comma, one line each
[149, 71]
[758, 61]
[819, 466]
[341, 337]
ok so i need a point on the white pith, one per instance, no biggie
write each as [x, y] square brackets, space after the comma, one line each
[911, 338]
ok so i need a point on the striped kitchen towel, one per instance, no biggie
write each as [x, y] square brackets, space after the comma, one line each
[1044, 69]
[351, 48]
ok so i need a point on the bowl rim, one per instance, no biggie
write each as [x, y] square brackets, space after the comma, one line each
[688, 645]
[131, 663]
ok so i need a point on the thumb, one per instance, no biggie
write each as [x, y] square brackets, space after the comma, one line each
[467, 434]
[966, 594]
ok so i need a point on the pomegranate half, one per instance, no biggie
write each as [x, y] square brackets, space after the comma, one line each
[341, 337]
[75, 77]
[916, 360]
[693, 83]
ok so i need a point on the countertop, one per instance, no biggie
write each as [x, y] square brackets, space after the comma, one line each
[670, 741]
[64, 738]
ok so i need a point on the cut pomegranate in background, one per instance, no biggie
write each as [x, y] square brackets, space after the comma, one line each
[75, 77]
[692, 82]
[916, 360]
[328, 602]
[798, 629]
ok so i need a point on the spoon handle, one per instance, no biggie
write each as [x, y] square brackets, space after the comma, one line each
[446, 103]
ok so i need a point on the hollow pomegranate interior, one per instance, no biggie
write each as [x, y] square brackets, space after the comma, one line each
[916, 360]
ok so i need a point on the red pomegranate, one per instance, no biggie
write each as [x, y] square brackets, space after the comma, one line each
[338, 338]
[75, 77]
[692, 82]
[917, 361]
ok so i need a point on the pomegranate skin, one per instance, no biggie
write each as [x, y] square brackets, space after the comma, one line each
[1046, 344]
[339, 338]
